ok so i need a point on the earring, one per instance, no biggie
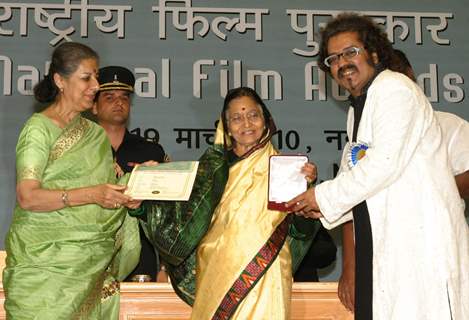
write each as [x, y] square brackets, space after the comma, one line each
[61, 89]
[229, 134]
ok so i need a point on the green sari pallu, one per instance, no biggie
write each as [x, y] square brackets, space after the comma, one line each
[65, 264]
[176, 228]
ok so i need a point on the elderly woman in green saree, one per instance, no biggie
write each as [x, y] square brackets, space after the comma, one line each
[227, 255]
[70, 229]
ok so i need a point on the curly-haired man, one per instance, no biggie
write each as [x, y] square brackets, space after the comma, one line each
[411, 238]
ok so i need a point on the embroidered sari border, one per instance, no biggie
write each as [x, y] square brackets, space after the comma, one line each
[253, 272]
[69, 138]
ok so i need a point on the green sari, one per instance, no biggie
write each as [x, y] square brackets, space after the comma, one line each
[66, 264]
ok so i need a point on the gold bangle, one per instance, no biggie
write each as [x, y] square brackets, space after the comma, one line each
[65, 198]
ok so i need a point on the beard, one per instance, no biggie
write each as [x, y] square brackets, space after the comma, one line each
[348, 82]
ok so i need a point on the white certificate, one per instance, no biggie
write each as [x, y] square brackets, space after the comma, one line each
[285, 179]
[165, 181]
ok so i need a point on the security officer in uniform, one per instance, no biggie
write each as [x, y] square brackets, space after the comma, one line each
[112, 108]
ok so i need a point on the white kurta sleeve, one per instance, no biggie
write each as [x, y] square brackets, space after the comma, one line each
[349, 215]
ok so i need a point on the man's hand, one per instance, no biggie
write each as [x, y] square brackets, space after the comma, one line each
[346, 290]
[462, 181]
[305, 204]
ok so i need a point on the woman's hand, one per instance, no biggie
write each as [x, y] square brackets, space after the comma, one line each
[310, 171]
[118, 170]
[133, 204]
[149, 163]
[109, 196]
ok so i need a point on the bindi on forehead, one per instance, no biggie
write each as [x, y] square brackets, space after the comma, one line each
[242, 105]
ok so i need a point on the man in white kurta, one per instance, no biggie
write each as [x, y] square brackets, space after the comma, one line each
[420, 238]
[456, 134]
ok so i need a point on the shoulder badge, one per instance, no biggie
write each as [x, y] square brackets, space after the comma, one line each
[357, 151]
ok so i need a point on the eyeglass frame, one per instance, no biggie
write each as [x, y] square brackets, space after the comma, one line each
[252, 116]
[355, 50]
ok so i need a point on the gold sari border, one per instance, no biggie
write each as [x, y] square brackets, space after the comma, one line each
[33, 173]
[110, 289]
[70, 136]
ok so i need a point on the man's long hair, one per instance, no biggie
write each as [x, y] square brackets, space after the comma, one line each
[374, 39]
[400, 63]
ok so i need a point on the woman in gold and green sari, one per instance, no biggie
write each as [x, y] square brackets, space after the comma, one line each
[228, 255]
[69, 226]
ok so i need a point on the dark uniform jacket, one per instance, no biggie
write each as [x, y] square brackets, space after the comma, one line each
[133, 150]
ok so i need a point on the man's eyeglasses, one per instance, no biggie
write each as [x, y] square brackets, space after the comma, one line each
[252, 117]
[347, 54]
